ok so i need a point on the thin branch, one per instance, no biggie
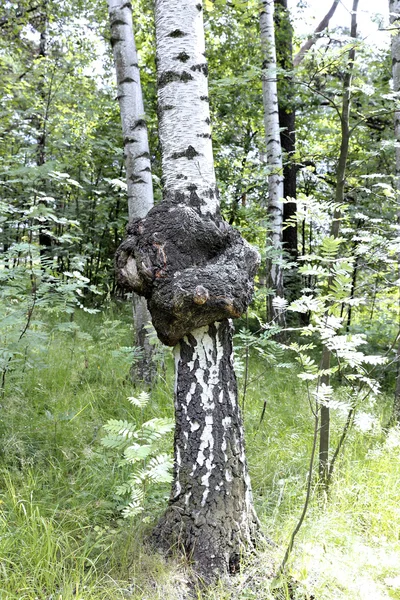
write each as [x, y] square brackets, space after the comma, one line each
[308, 496]
[311, 40]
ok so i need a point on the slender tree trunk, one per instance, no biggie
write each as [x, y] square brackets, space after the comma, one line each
[287, 120]
[137, 156]
[339, 199]
[394, 10]
[210, 515]
[41, 121]
[319, 29]
[274, 156]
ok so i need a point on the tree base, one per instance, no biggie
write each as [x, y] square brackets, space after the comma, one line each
[210, 518]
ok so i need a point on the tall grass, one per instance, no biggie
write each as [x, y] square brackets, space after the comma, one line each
[61, 532]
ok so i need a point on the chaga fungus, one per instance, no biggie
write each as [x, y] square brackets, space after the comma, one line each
[193, 269]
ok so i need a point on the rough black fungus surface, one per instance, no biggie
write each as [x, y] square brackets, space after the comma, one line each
[193, 269]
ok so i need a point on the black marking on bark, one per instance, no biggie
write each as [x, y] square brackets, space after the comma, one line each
[118, 22]
[162, 109]
[196, 202]
[199, 7]
[204, 135]
[205, 98]
[144, 155]
[181, 176]
[145, 170]
[177, 33]
[170, 76]
[114, 40]
[136, 179]
[127, 5]
[129, 140]
[190, 153]
[183, 57]
[139, 124]
[134, 65]
[128, 80]
[202, 68]
[208, 121]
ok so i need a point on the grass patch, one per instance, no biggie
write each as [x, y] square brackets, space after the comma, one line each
[61, 531]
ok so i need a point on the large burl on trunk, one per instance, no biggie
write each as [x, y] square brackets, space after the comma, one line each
[193, 269]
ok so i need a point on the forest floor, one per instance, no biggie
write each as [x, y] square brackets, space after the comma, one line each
[62, 536]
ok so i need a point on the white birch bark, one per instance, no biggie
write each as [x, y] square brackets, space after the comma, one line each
[274, 149]
[136, 152]
[394, 11]
[136, 145]
[211, 512]
[184, 115]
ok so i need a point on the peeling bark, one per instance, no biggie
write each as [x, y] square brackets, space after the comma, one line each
[136, 154]
[195, 271]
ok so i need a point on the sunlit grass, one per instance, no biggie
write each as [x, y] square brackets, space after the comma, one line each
[61, 532]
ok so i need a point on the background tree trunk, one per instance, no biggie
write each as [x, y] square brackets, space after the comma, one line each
[287, 120]
[324, 436]
[274, 157]
[137, 157]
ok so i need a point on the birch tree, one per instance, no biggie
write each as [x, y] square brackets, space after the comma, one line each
[136, 152]
[394, 11]
[274, 156]
[196, 272]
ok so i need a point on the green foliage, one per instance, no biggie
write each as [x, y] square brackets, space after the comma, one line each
[139, 446]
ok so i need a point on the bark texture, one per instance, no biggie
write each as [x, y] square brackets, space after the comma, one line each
[274, 153]
[134, 130]
[183, 104]
[394, 10]
[211, 515]
[136, 154]
[195, 271]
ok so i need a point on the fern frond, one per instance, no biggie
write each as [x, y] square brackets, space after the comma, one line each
[141, 401]
[125, 429]
[137, 452]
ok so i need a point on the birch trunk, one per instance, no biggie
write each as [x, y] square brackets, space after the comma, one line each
[394, 10]
[274, 155]
[210, 514]
[136, 154]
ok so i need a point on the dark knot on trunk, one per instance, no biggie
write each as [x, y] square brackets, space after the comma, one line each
[193, 269]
